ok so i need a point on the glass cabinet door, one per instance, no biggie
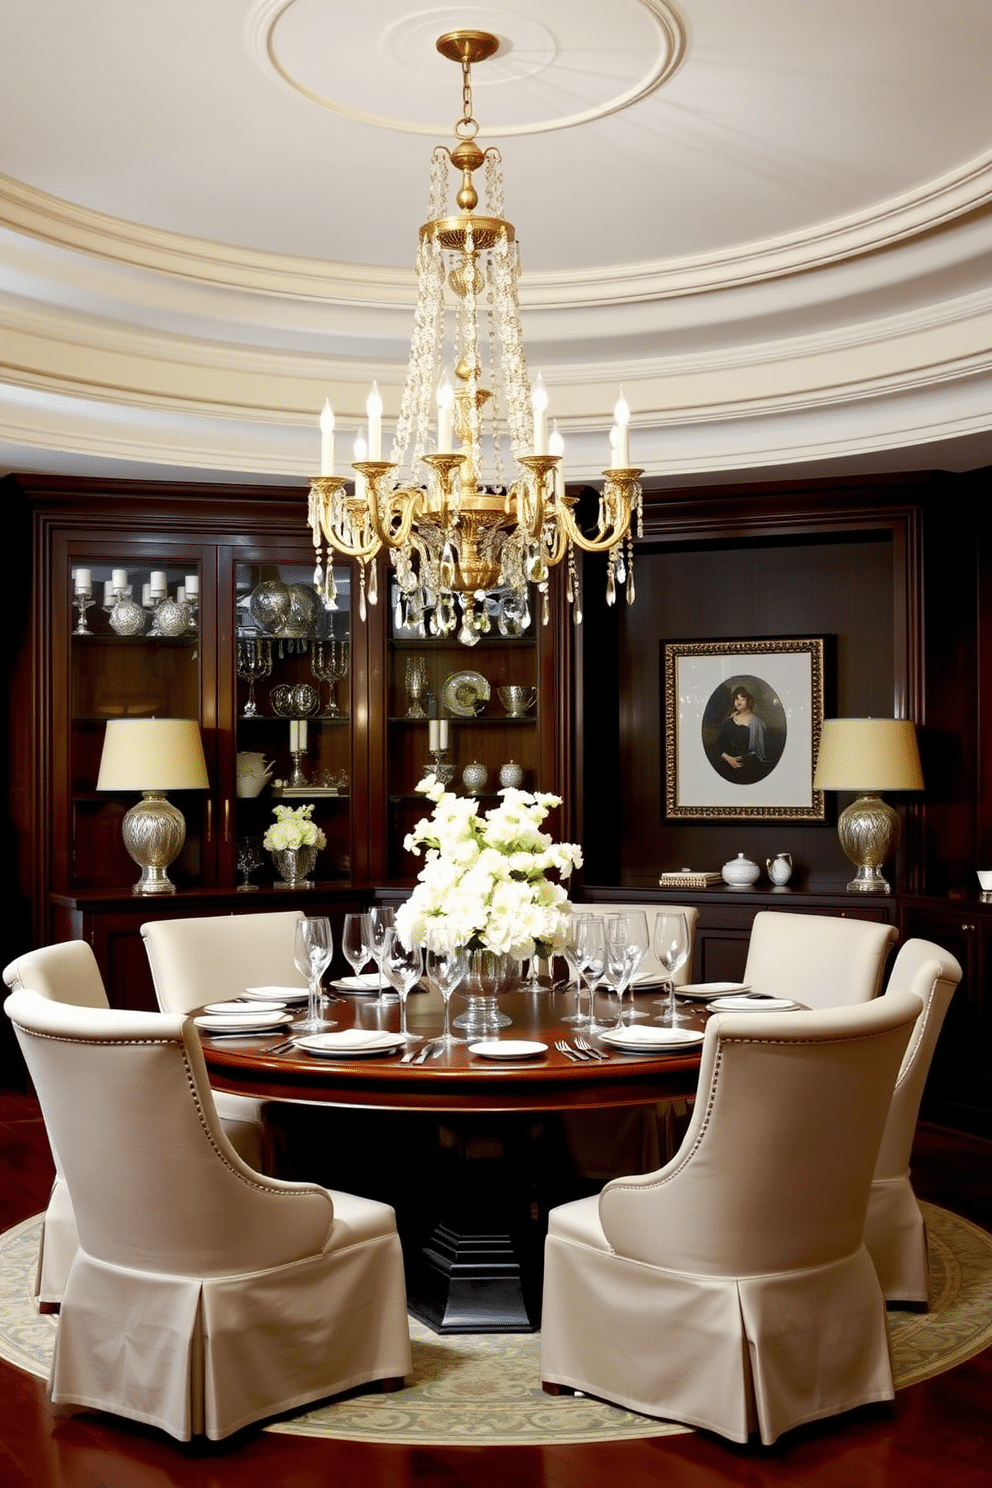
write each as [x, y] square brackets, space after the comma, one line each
[470, 712]
[134, 652]
[293, 714]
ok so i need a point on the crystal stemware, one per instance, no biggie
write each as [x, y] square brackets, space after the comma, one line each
[573, 954]
[381, 920]
[590, 953]
[254, 663]
[404, 966]
[671, 947]
[250, 857]
[312, 951]
[626, 947]
[356, 941]
[446, 970]
[331, 666]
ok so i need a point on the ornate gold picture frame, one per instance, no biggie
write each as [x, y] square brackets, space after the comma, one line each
[742, 726]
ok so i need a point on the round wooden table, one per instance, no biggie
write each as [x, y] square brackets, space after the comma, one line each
[483, 1149]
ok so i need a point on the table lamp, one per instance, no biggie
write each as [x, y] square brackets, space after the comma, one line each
[153, 755]
[868, 755]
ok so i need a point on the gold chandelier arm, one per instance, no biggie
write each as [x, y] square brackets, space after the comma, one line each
[324, 491]
[391, 516]
[619, 497]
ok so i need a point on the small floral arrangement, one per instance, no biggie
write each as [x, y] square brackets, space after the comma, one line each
[484, 885]
[293, 828]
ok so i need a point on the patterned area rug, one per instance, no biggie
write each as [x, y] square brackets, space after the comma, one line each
[478, 1390]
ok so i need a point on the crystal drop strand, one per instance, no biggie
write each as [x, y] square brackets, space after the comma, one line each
[373, 583]
[472, 347]
[611, 591]
[494, 183]
[545, 607]
[362, 612]
[426, 353]
[330, 588]
[437, 200]
[517, 385]
[630, 570]
[498, 380]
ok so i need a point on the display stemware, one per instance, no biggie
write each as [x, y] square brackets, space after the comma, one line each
[404, 966]
[671, 947]
[446, 970]
[626, 947]
[250, 857]
[331, 666]
[356, 941]
[313, 948]
[253, 664]
[381, 920]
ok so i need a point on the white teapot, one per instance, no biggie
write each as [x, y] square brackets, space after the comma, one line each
[253, 772]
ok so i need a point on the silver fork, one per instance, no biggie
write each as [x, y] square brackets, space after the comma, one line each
[587, 1048]
[568, 1051]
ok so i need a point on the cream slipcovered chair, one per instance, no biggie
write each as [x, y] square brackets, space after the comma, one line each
[821, 960]
[215, 957]
[68, 973]
[203, 1295]
[732, 1288]
[630, 1139]
[894, 1233]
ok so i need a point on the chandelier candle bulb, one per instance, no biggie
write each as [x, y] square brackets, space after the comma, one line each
[556, 447]
[361, 453]
[539, 403]
[327, 438]
[621, 413]
[373, 407]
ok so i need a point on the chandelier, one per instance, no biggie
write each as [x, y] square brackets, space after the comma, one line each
[471, 506]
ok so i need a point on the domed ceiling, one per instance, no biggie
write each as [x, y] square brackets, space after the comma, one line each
[770, 222]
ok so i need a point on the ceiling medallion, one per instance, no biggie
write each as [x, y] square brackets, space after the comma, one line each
[469, 529]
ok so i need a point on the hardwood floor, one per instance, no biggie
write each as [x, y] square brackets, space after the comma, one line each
[939, 1432]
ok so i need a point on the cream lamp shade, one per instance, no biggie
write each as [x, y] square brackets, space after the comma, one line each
[153, 755]
[868, 755]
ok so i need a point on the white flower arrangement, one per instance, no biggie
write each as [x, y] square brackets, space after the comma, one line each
[293, 828]
[484, 885]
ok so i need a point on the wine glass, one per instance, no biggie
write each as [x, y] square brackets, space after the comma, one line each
[572, 951]
[249, 858]
[591, 957]
[446, 970]
[626, 947]
[404, 967]
[671, 947]
[381, 920]
[356, 941]
[312, 951]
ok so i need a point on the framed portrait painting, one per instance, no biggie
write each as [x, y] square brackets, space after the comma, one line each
[742, 728]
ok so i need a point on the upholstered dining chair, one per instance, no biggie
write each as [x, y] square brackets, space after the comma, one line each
[203, 1296]
[650, 966]
[894, 1231]
[820, 960]
[732, 1289]
[603, 1143]
[214, 957]
[68, 973]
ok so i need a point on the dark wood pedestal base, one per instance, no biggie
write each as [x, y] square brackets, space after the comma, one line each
[472, 1283]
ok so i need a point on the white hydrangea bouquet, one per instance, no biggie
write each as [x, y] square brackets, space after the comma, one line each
[293, 828]
[485, 882]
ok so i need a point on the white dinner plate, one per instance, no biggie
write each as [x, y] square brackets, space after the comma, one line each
[508, 1049]
[351, 1043]
[651, 1040]
[754, 1005]
[231, 1023]
[361, 986]
[706, 991]
[251, 1009]
[276, 994]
